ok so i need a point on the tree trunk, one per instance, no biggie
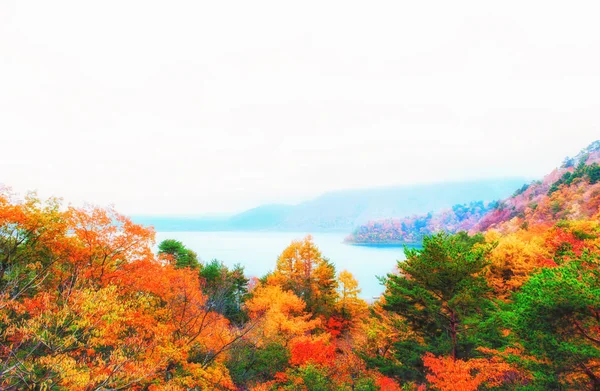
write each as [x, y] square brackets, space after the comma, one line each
[453, 327]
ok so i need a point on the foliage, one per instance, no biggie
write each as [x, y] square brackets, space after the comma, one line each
[311, 350]
[442, 293]
[251, 364]
[412, 230]
[85, 305]
[439, 286]
[590, 173]
[556, 315]
[349, 305]
[568, 193]
[450, 374]
[225, 289]
[302, 270]
[174, 251]
[521, 190]
[279, 315]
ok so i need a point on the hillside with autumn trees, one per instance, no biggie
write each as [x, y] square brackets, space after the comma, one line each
[566, 193]
[412, 230]
[569, 192]
[514, 304]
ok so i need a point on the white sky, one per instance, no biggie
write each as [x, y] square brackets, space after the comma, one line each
[214, 106]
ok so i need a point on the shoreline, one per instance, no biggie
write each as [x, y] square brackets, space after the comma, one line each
[383, 244]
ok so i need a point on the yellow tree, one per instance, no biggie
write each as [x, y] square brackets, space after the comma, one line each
[514, 259]
[278, 315]
[302, 269]
[349, 304]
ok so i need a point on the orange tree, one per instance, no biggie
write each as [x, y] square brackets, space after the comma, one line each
[84, 305]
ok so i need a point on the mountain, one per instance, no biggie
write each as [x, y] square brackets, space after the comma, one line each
[259, 217]
[569, 192]
[341, 211]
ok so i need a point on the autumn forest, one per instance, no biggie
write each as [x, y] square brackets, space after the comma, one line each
[499, 296]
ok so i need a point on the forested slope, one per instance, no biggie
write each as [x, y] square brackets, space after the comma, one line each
[568, 192]
[571, 191]
[412, 230]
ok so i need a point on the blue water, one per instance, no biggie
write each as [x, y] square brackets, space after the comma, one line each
[258, 252]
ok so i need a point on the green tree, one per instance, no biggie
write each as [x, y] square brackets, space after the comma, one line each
[314, 378]
[556, 317]
[441, 292]
[590, 173]
[176, 252]
[250, 364]
[226, 289]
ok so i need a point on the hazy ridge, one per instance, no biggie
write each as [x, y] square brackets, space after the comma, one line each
[341, 211]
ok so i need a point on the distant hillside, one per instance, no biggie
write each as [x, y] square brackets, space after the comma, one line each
[262, 216]
[412, 230]
[343, 210]
[569, 192]
[182, 223]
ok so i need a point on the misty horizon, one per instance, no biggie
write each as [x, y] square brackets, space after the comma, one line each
[198, 107]
[226, 214]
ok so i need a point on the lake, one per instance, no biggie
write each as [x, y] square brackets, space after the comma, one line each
[258, 253]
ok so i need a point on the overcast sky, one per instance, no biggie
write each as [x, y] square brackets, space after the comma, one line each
[215, 106]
